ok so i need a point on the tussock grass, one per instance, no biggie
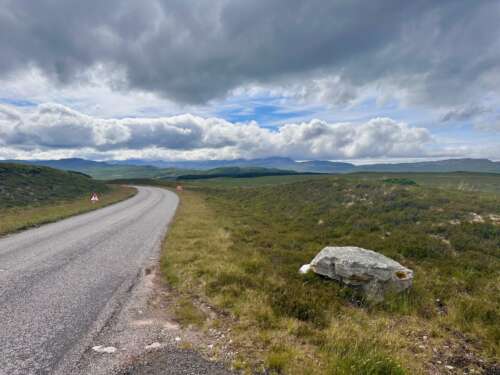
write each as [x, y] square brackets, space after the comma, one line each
[240, 250]
[188, 313]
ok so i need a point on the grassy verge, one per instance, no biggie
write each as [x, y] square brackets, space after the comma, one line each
[240, 249]
[18, 218]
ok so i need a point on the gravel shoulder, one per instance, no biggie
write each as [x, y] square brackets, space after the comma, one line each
[146, 339]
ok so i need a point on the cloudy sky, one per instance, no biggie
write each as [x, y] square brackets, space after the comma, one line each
[196, 79]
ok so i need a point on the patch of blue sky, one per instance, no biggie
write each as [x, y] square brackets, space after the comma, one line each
[463, 131]
[266, 115]
[18, 102]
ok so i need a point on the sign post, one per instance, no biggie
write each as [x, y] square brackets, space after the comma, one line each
[179, 188]
[94, 198]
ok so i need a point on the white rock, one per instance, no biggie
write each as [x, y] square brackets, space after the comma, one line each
[476, 218]
[449, 367]
[305, 269]
[104, 349]
[154, 345]
[373, 272]
[177, 339]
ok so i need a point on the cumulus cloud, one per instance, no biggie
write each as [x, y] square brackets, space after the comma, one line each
[53, 127]
[437, 53]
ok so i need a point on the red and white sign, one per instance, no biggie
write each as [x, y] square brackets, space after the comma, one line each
[94, 198]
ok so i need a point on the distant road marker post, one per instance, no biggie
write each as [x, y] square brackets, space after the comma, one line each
[179, 188]
[94, 198]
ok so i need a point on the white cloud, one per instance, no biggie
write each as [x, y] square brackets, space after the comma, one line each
[53, 128]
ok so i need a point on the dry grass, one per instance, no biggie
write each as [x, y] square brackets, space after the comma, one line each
[240, 249]
[19, 218]
[199, 261]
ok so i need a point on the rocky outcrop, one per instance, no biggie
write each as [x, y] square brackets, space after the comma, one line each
[374, 273]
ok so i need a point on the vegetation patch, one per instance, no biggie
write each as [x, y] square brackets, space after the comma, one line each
[188, 313]
[236, 172]
[240, 249]
[31, 195]
[399, 181]
[27, 185]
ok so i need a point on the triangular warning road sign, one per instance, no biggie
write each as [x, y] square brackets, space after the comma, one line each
[94, 197]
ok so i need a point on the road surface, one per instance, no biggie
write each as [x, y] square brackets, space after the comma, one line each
[59, 283]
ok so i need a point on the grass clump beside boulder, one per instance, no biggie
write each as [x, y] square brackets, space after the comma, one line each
[240, 250]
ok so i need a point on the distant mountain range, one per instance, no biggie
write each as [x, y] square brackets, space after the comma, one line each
[168, 169]
[272, 162]
[449, 165]
[323, 166]
[74, 164]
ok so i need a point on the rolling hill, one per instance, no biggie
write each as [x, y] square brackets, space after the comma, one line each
[75, 164]
[237, 172]
[449, 165]
[22, 185]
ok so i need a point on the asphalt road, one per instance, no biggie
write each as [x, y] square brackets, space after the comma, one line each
[60, 282]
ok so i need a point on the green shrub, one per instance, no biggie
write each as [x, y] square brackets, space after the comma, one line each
[298, 302]
[399, 181]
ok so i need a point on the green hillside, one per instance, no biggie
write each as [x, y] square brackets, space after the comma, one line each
[22, 185]
[449, 165]
[236, 172]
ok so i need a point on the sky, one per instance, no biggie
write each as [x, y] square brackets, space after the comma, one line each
[359, 80]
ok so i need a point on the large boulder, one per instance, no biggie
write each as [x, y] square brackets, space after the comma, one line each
[374, 273]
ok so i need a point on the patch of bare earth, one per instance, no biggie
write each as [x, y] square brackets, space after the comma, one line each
[145, 338]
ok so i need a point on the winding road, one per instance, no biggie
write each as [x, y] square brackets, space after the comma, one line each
[59, 283]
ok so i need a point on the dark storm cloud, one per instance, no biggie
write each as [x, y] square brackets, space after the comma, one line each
[442, 53]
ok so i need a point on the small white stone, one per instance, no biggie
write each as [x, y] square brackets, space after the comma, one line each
[103, 349]
[154, 345]
[425, 337]
[305, 269]
[177, 339]
[449, 367]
